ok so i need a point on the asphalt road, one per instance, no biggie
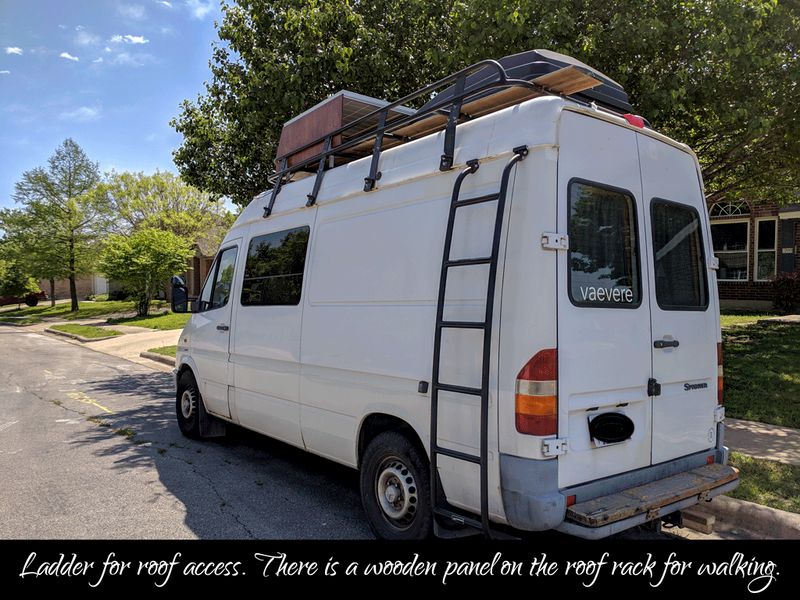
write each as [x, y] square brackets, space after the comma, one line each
[89, 448]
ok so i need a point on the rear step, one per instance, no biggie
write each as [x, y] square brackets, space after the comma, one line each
[649, 498]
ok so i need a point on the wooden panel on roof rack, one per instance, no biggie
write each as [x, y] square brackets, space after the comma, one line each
[567, 81]
[341, 109]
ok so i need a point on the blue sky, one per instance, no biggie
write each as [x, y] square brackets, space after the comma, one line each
[108, 73]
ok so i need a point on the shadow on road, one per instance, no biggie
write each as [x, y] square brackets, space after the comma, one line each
[242, 486]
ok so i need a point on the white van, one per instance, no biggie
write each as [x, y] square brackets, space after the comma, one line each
[501, 308]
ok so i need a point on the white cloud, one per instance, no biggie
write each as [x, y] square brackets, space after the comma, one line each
[5, 72]
[167, 30]
[98, 60]
[81, 114]
[106, 49]
[132, 11]
[79, 27]
[128, 39]
[126, 59]
[13, 50]
[84, 38]
[200, 8]
[68, 56]
[165, 3]
[63, 27]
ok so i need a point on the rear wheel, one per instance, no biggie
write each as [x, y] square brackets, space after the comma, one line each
[187, 405]
[395, 488]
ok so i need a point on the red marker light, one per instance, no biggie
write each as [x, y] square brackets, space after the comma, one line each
[634, 120]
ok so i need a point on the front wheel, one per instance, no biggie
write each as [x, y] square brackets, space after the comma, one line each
[187, 405]
[395, 488]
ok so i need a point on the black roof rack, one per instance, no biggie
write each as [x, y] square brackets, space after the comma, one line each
[479, 89]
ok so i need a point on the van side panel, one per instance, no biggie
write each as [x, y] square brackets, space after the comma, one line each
[369, 316]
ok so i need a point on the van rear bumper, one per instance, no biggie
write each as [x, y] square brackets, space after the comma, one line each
[654, 512]
[533, 501]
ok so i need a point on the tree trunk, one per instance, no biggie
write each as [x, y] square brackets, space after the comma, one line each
[143, 305]
[73, 292]
[52, 291]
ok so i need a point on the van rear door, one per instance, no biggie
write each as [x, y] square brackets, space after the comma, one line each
[683, 311]
[604, 337]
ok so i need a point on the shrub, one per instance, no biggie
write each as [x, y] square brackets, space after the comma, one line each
[786, 288]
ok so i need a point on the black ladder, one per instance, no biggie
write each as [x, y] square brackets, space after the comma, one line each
[440, 505]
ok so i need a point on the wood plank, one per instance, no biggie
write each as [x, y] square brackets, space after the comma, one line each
[569, 80]
[309, 127]
[640, 499]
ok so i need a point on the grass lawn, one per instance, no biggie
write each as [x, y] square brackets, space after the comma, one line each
[87, 331]
[762, 373]
[767, 482]
[742, 318]
[167, 321]
[85, 309]
[20, 320]
[165, 350]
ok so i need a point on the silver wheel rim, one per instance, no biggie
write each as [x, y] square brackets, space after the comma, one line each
[396, 492]
[188, 404]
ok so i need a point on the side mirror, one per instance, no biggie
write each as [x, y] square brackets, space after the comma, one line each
[180, 296]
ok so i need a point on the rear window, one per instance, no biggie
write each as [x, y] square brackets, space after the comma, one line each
[678, 256]
[603, 247]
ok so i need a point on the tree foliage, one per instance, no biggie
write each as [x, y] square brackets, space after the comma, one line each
[15, 280]
[62, 218]
[163, 201]
[720, 75]
[144, 261]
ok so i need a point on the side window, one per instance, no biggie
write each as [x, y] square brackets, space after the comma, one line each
[273, 273]
[678, 257]
[217, 289]
[603, 247]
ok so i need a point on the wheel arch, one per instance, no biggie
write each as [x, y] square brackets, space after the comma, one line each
[376, 423]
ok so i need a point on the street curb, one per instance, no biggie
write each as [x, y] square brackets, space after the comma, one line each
[80, 338]
[769, 522]
[12, 324]
[167, 360]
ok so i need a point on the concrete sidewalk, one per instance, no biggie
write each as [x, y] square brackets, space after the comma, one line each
[763, 441]
[128, 346]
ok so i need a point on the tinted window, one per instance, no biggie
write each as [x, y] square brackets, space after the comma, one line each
[603, 249]
[273, 273]
[680, 271]
[217, 289]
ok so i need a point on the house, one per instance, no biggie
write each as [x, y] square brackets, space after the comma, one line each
[754, 243]
[87, 285]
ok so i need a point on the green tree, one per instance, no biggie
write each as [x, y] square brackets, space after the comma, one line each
[14, 279]
[25, 235]
[163, 201]
[144, 261]
[66, 214]
[720, 75]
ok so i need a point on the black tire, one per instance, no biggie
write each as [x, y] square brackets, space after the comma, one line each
[188, 403]
[402, 511]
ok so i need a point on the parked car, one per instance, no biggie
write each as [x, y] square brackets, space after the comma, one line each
[29, 299]
[500, 308]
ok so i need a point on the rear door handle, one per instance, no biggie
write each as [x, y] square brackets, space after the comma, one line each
[223, 327]
[666, 344]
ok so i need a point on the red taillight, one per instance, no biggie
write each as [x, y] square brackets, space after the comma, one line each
[720, 384]
[536, 409]
[571, 500]
[634, 120]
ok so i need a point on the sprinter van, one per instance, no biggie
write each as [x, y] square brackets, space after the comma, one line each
[499, 307]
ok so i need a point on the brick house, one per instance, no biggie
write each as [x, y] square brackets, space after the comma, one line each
[85, 285]
[754, 243]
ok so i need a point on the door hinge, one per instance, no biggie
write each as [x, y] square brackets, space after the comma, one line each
[653, 387]
[719, 414]
[554, 446]
[555, 241]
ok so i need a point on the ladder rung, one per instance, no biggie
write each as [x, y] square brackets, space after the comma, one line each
[459, 389]
[463, 324]
[477, 200]
[465, 262]
[458, 518]
[459, 455]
